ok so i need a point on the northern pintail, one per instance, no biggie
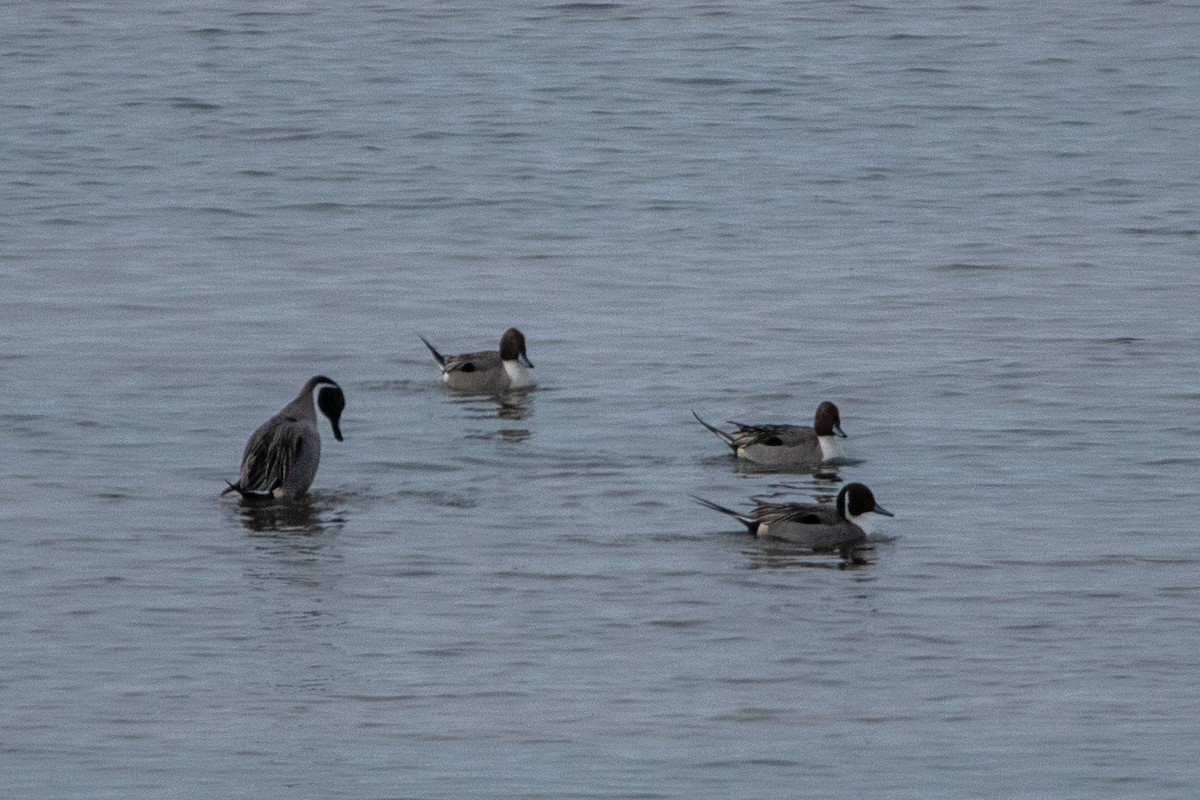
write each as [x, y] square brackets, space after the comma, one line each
[786, 445]
[488, 372]
[818, 527]
[282, 456]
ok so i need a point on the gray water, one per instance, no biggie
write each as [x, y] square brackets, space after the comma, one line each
[973, 226]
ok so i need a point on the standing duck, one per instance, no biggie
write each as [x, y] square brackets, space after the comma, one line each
[282, 456]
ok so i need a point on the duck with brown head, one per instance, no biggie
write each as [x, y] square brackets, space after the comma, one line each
[488, 372]
[786, 445]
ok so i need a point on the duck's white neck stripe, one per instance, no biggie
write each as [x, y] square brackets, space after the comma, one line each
[865, 521]
[518, 374]
[317, 389]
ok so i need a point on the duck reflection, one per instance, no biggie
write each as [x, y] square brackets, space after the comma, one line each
[826, 473]
[780, 555]
[513, 406]
[510, 407]
[302, 516]
[822, 488]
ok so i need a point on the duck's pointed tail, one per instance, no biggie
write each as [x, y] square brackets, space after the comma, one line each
[725, 436]
[751, 525]
[441, 359]
[246, 494]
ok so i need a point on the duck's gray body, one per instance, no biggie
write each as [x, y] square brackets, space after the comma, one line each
[282, 455]
[488, 372]
[786, 445]
[810, 525]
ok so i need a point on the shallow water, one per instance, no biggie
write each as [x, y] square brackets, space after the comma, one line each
[972, 226]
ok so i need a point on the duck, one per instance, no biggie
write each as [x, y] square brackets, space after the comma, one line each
[488, 372]
[786, 445]
[818, 527]
[282, 455]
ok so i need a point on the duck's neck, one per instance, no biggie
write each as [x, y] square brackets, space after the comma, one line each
[831, 448]
[519, 375]
[864, 521]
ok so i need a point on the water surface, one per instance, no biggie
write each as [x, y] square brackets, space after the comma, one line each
[974, 227]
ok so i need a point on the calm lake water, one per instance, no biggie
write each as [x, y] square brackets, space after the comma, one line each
[976, 227]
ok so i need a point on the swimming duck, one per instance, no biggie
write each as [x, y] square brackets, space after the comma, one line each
[281, 457]
[818, 527]
[488, 372]
[786, 445]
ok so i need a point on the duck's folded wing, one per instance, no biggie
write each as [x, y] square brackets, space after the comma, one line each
[796, 513]
[270, 454]
[472, 362]
[776, 436]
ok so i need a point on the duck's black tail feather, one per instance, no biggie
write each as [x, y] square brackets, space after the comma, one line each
[751, 525]
[725, 437]
[441, 359]
[245, 493]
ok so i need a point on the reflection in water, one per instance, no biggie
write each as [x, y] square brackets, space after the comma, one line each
[506, 434]
[291, 570]
[824, 472]
[303, 516]
[513, 406]
[292, 559]
[293, 553]
[769, 554]
[510, 406]
[828, 475]
[822, 488]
